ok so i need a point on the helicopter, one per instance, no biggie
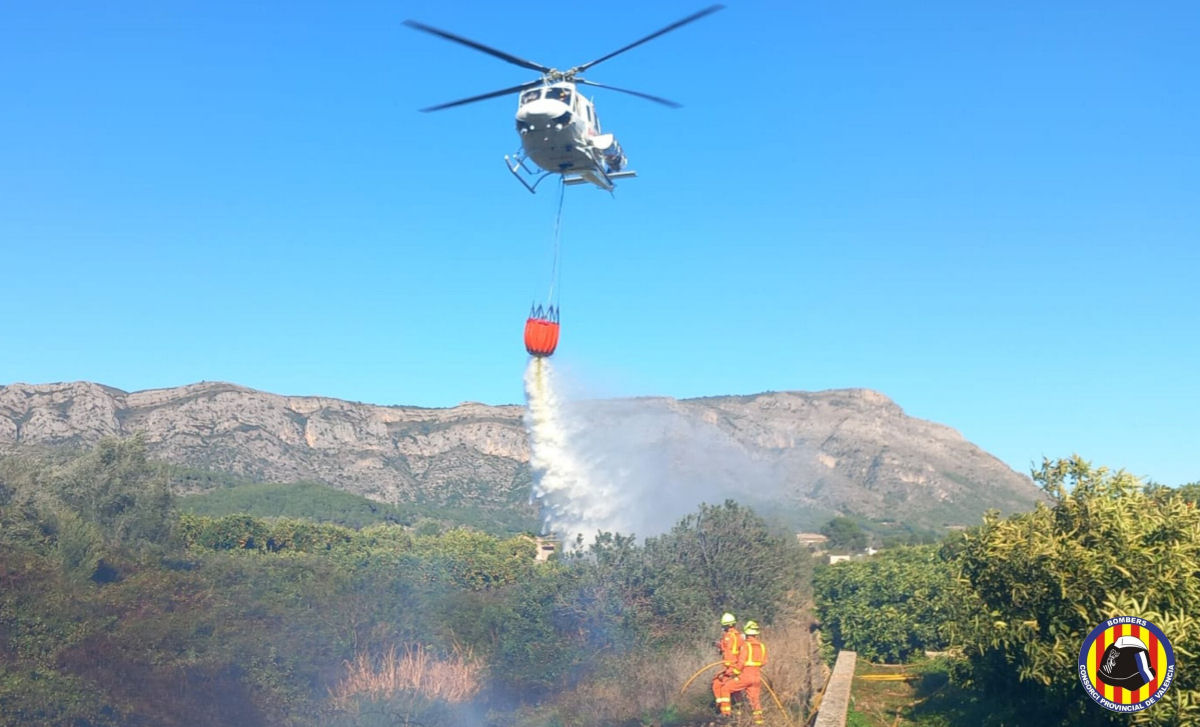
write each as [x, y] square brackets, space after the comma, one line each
[560, 132]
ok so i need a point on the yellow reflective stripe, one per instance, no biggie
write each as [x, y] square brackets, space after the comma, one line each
[734, 642]
[762, 659]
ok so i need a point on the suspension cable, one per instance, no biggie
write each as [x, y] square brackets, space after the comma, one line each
[554, 270]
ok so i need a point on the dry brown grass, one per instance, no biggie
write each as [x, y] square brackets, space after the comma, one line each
[412, 670]
[794, 669]
[648, 685]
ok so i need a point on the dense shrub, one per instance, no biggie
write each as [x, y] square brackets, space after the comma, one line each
[114, 611]
[888, 607]
[1036, 584]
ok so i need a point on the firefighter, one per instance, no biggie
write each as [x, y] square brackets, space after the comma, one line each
[750, 661]
[726, 682]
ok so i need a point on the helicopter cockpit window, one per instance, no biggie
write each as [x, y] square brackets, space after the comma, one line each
[532, 95]
[559, 94]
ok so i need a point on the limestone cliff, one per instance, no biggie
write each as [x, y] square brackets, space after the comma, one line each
[833, 451]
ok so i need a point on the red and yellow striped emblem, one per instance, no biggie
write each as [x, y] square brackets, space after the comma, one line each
[1126, 650]
[1157, 656]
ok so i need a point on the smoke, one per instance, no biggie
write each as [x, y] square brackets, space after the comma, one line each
[631, 466]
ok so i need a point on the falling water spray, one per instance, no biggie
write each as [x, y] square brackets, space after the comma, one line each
[572, 503]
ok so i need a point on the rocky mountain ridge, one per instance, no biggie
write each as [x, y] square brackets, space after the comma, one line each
[850, 450]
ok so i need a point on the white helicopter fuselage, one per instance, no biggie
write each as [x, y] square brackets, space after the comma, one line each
[559, 130]
[560, 133]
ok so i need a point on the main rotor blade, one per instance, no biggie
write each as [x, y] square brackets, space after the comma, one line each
[515, 60]
[695, 16]
[657, 99]
[481, 97]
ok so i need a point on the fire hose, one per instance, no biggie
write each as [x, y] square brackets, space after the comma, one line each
[702, 669]
[770, 691]
[777, 702]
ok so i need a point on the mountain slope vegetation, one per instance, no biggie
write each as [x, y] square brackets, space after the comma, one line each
[116, 610]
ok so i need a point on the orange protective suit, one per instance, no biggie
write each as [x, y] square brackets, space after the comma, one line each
[727, 681]
[750, 661]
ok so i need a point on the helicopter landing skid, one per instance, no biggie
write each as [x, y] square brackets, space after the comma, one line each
[516, 165]
[604, 180]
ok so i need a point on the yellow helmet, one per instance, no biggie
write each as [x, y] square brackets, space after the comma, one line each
[727, 619]
[751, 628]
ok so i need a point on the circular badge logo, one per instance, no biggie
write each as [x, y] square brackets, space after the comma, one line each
[1126, 664]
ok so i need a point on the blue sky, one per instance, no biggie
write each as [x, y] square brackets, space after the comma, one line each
[988, 211]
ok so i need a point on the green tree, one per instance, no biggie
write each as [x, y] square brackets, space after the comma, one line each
[889, 607]
[1037, 583]
[78, 544]
[844, 534]
[231, 532]
[612, 600]
[1190, 492]
[25, 502]
[472, 560]
[538, 646]
[117, 487]
[722, 558]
